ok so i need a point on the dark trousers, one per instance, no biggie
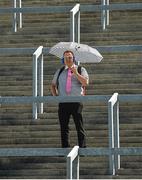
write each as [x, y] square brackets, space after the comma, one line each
[65, 111]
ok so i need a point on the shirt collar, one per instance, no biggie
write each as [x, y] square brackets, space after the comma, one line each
[66, 67]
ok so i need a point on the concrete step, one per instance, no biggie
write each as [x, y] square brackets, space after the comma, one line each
[38, 127]
[125, 1]
[55, 38]
[64, 2]
[130, 171]
[46, 165]
[30, 172]
[27, 137]
[110, 68]
[56, 133]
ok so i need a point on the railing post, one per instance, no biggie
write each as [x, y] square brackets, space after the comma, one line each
[107, 13]
[20, 14]
[14, 25]
[75, 24]
[34, 85]
[113, 121]
[15, 20]
[37, 75]
[40, 85]
[77, 27]
[116, 134]
[73, 164]
[72, 27]
[103, 15]
[111, 138]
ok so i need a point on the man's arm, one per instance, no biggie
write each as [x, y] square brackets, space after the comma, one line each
[53, 86]
[83, 80]
[54, 90]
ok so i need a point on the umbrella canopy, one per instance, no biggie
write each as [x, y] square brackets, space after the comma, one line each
[82, 52]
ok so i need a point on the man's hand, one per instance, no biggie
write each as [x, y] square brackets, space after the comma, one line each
[74, 70]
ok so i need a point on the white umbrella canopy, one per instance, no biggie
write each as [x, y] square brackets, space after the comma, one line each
[82, 52]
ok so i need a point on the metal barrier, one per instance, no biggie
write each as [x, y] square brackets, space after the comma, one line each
[114, 151]
[125, 151]
[38, 65]
[70, 154]
[104, 8]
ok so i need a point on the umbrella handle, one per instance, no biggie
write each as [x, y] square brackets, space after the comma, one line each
[78, 63]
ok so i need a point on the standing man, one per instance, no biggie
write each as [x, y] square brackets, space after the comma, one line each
[68, 81]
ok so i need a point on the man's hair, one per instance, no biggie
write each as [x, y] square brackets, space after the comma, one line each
[68, 51]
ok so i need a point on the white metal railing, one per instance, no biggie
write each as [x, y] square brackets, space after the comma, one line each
[75, 24]
[113, 123]
[73, 164]
[104, 8]
[38, 80]
[38, 65]
[70, 154]
[113, 151]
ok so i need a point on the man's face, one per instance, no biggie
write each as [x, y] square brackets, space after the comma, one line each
[68, 59]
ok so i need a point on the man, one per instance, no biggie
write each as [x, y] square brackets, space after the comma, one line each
[60, 86]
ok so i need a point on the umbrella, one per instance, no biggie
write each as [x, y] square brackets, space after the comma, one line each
[82, 52]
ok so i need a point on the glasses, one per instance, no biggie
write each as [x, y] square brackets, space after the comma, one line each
[68, 58]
